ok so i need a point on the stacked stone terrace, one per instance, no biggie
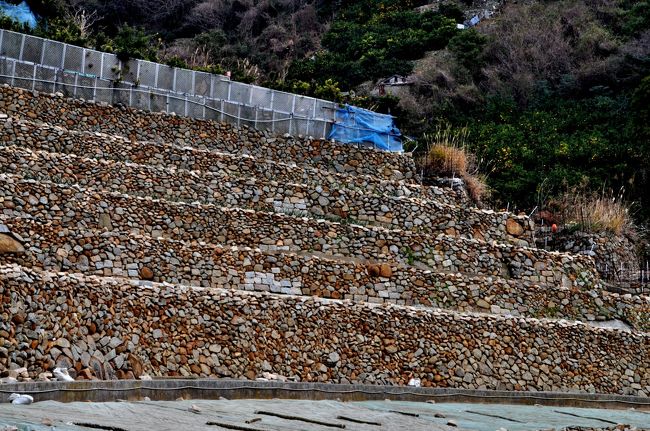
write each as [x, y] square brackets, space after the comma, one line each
[175, 247]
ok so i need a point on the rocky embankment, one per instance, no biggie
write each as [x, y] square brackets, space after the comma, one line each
[106, 327]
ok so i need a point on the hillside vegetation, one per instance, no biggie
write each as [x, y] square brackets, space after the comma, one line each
[553, 94]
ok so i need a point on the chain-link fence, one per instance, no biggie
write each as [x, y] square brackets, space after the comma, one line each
[34, 63]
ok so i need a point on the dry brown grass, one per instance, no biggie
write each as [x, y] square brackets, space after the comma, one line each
[476, 187]
[596, 213]
[446, 156]
[446, 161]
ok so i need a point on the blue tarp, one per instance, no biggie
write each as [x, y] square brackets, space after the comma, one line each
[355, 126]
[20, 12]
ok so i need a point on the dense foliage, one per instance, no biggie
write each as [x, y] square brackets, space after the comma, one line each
[553, 93]
[371, 39]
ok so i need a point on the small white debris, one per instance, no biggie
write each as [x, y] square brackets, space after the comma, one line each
[195, 409]
[271, 376]
[62, 375]
[21, 399]
[415, 382]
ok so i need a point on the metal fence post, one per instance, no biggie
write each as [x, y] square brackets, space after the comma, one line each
[43, 52]
[293, 109]
[101, 65]
[22, 48]
[311, 116]
[272, 112]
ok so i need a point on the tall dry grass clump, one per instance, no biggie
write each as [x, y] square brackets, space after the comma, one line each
[446, 156]
[595, 213]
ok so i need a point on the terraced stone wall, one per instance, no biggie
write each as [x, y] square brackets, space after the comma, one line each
[56, 248]
[146, 126]
[74, 207]
[113, 328]
[616, 256]
[426, 216]
[32, 136]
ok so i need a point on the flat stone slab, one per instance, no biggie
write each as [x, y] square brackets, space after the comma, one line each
[272, 415]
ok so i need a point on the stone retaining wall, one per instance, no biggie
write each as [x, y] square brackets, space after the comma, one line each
[616, 256]
[146, 126]
[26, 134]
[107, 254]
[75, 207]
[113, 328]
[295, 199]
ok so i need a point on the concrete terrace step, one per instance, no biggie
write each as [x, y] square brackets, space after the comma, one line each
[183, 131]
[76, 207]
[189, 186]
[124, 328]
[32, 136]
[54, 247]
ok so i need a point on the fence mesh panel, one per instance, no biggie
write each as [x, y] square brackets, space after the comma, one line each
[92, 62]
[110, 67]
[45, 79]
[53, 54]
[261, 97]
[147, 74]
[196, 106]
[24, 70]
[202, 84]
[104, 91]
[73, 58]
[282, 102]
[11, 44]
[32, 49]
[182, 81]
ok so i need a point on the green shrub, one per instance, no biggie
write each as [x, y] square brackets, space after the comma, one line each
[131, 42]
[176, 61]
